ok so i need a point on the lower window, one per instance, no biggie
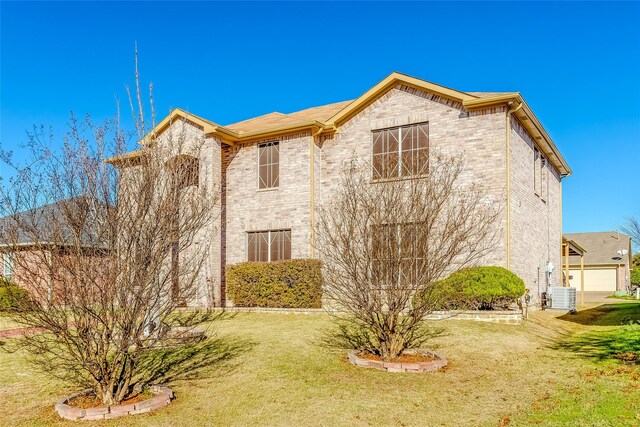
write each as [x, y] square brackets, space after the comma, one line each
[265, 246]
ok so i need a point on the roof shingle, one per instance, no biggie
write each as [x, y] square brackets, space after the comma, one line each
[601, 247]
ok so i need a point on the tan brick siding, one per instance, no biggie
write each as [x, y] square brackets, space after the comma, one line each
[535, 224]
[478, 137]
[251, 209]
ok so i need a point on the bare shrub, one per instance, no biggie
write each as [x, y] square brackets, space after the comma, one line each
[110, 246]
[385, 241]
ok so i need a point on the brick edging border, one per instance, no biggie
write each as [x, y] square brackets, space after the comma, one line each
[511, 317]
[162, 397]
[417, 367]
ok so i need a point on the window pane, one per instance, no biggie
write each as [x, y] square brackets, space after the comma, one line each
[393, 140]
[536, 172]
[276, 244]
[414, 149]
[268, 165]
[251, 247]
[286, 244]
[378, 169]
[264, 176]
[8, 265]
[377, 142]
[263, 246]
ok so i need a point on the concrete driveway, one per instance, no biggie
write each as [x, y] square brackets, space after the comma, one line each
[594, 297]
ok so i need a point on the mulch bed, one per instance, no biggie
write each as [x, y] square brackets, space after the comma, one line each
[403, 358]
[91, 401]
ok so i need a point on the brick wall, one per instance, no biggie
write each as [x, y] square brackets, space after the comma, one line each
[535, 223]
[286, 207]
[479, 137]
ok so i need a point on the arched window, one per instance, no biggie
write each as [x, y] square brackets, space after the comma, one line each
[185, 170]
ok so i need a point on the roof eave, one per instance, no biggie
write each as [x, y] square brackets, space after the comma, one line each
[312, 125]
[388, 83]
[531, 123]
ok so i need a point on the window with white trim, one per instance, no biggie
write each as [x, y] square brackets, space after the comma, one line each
[265, 246]
[401, 151]
[268, 165]
[7, 269]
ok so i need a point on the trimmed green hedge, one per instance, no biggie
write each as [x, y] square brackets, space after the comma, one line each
[12, 296]
[295, 283]
[477, 288]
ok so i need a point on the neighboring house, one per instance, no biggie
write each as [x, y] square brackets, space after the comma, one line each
[606, 266]
[35, 248]
[276, 170]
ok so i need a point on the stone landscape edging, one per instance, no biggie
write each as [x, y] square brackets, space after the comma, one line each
[415, 367]
[512, 317]
[162, 397]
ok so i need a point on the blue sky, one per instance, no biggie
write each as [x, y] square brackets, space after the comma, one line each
[576, 64]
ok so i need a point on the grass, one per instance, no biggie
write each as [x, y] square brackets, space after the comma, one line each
[7, 323]
[551, 370]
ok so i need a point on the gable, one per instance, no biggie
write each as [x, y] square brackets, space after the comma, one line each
[327, 119]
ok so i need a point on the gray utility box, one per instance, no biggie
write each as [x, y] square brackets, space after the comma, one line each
[563, 298]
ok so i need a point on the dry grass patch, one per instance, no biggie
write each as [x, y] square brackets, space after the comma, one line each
[509, 374]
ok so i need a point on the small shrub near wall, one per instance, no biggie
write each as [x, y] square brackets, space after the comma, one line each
[295, 283]
[478, 288]
[12, 296]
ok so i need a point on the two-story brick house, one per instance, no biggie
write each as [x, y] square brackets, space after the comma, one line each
[276, 170]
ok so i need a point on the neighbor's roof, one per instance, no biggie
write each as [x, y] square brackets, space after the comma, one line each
[601, 247]
[329, 118]
[49, 225]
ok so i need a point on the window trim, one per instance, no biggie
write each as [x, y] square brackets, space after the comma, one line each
[399, 176]
[263, 144]
[247, 233]
[7, 264]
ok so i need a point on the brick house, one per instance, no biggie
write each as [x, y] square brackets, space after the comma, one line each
[606, 264]
[36, 251]
[276, 170]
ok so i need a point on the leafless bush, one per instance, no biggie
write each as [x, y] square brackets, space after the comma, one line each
[385, 242]
[631, 228]
[109, 249]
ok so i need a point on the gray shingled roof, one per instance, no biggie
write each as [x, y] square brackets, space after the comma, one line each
[602, 247]
[47, 224]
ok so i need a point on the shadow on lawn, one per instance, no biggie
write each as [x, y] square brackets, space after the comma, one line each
[615, 314]
[213, 356]
[349, 335]
[619, 344]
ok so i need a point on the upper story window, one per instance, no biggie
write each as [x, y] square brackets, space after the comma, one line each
[185, 170]
[401, 151]
[539, 174]
[272, 245]
[268, 165]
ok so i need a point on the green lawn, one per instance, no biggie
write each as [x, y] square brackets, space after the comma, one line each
[552, 370]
